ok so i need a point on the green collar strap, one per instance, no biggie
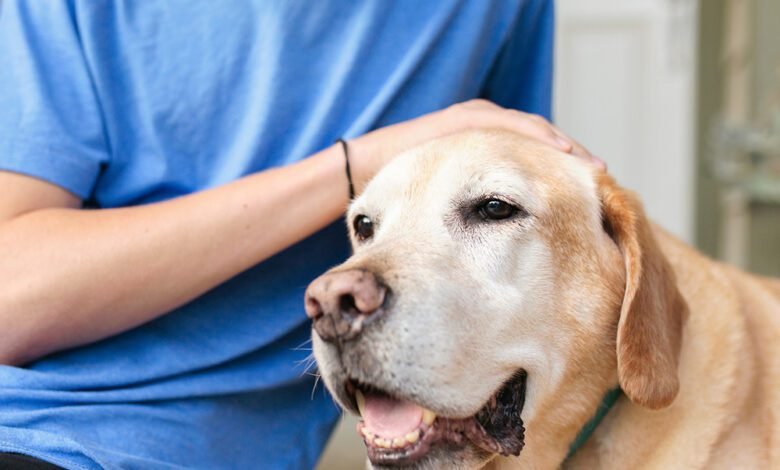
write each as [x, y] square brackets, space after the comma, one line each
[606, 404]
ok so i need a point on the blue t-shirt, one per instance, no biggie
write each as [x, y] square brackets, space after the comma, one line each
[129, 102]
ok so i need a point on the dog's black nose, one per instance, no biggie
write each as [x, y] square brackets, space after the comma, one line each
[339, 302]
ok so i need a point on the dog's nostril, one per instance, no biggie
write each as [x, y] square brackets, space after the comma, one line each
[313, 308]
[347, 304]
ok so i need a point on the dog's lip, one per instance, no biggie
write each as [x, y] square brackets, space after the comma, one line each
[496, 428]
[350, 388]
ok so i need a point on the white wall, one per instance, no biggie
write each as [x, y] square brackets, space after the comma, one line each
[624, 87]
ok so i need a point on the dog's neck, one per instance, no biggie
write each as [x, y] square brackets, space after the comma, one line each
[610, 398]
[713, 373]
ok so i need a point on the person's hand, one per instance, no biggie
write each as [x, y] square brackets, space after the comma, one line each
[370, 152]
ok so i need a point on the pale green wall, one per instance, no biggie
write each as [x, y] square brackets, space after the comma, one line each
[765, 230]
[767, 51]
[708, 103]
[764, 256]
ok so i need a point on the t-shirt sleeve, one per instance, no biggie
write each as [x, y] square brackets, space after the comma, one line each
[50, 121]
[521, 78]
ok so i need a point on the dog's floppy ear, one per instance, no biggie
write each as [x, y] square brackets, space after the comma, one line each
[650, 326]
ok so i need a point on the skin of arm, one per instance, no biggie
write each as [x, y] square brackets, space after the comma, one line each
[71, 277]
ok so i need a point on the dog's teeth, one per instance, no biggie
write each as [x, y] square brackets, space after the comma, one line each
[412, 437]
[380, 442]
[428, 417]
[367, 434]
[399, 442]
[361, 401]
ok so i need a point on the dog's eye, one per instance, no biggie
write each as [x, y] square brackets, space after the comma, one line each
[364, 227]
[496, 209]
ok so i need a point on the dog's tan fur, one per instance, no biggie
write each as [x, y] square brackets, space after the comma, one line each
[726, 413]
[694, 344]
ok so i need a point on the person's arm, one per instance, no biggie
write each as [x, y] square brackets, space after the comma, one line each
[70, 277]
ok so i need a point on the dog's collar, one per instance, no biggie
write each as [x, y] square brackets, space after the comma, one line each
[606, 404]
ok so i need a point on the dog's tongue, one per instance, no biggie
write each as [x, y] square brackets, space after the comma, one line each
[386, 416]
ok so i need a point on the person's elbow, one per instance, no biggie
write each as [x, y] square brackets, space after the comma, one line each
[20, 342]
[11, 353]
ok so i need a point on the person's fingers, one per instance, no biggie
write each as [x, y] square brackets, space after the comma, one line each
[582, 152]
[480, 104]
[601, 164]
[536, 127]
[578, 150]
[484, 113]
[564, 139]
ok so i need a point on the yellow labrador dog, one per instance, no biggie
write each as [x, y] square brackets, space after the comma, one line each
[508, 306]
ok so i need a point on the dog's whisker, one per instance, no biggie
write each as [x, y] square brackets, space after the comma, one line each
[306, 360]
[317, 377]
[301, 347]
[308, 364]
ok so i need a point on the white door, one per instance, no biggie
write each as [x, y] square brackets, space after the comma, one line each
[624, 87]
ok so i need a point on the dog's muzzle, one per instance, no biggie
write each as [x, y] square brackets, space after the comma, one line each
[340, 303]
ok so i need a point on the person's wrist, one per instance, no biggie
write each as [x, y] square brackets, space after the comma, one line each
[371, 151]
[347, 166]
[365, 158]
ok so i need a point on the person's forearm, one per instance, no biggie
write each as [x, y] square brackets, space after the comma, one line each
[70, 277]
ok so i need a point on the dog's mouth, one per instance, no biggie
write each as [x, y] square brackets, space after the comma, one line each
[400, 432]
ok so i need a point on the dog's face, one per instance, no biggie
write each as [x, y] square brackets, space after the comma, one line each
[479, 312]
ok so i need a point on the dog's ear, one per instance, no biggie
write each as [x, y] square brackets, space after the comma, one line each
[650, 327]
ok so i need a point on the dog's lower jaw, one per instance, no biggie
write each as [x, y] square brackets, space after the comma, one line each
[440, 458]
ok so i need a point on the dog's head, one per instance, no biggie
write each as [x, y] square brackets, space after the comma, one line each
[497, 289]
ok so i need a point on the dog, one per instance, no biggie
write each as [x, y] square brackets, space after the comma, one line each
[510, 306]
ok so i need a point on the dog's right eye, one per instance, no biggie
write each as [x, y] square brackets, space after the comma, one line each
[364, 227]
[496, 209]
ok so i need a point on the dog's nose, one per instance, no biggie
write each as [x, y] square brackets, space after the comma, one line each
[340, 302]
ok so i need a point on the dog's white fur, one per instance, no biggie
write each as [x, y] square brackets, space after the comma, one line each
[552, 293]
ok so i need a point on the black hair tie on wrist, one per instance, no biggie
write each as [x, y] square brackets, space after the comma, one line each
[346, 167]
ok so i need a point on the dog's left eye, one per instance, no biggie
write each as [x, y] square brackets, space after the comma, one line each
[496, 209]
[364, 227]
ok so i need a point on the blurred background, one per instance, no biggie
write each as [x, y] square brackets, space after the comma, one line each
[682, 100]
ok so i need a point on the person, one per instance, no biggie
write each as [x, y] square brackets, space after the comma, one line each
[170, 185]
